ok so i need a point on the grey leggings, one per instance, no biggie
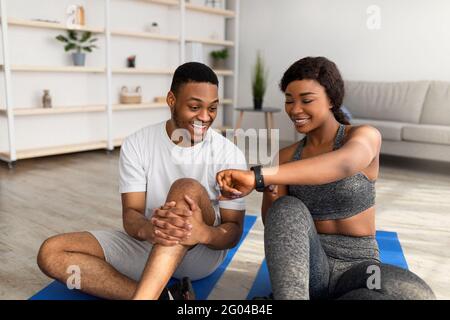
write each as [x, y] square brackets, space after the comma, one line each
[306, 265]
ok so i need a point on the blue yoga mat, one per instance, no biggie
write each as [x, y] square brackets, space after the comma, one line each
[390, 253]
[203, 287]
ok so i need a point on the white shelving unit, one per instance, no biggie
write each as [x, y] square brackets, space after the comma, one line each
[109, 109]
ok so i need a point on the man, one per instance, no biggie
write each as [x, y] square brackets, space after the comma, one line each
[174, 223]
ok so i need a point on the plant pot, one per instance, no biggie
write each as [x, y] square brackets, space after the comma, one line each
[79, 58]
[257, 103]
[219, 64]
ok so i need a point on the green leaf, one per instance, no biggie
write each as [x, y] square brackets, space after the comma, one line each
[85, 37]
[259, 78]
[87, 49]
[70, 46]
[220, 54]
[62, 38]
[93, 40]
[72, 35]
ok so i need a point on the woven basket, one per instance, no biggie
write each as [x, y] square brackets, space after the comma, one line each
[127, 97]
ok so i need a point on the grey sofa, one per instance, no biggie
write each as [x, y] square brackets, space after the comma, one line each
[413, 117]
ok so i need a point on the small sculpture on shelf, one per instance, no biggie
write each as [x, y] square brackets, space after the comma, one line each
[76, 16]
[80, 43]
[131, 62]
[153, 28]
[214, 3]
[46, 99]
[127, 97]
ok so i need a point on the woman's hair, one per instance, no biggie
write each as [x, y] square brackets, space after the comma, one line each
[324, 72]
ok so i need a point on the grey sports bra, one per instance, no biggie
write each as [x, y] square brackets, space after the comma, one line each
[339, 199]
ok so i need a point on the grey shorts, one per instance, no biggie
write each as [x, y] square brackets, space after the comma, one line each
[129, 256]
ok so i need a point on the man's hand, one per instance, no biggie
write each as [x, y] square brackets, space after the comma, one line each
[199, 232]
[182, 226]
[154, 234]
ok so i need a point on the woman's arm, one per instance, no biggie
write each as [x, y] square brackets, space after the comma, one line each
[356, 154]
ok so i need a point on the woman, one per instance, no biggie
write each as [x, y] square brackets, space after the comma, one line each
[319, 202]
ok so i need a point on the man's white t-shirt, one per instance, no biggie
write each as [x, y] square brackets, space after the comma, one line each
[150, 162]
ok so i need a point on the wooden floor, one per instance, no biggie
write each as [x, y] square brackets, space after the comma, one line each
[43, 197]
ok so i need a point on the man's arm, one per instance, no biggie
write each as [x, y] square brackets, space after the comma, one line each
[227, 234]
[134, 221]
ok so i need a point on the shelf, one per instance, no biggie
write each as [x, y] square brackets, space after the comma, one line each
[224, 72]
[50, 25]
[81, 109]
[92, 108]
[55, 110]
[5, 156]
[163, 2]
[118, 142]
[142, 71]
[51, 151]
[141, 106]
[74, 69]
[226, 102]
[212, 42]
[67, 71]
[24, 68]
[204, 9]
[145, 35]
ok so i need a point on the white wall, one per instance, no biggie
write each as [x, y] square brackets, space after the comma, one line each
[413, 42]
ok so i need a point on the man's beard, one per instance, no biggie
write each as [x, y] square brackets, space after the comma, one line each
[176, 119]
[198, 136]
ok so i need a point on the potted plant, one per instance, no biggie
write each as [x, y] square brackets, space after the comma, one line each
[219, 57]
[259, 82]
[78, 43]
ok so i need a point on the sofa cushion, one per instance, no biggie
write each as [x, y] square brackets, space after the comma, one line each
[427, 133]
[391, 101]
[390, 130]
[436, 109]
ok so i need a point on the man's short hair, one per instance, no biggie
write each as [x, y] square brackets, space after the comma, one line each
[192, 72]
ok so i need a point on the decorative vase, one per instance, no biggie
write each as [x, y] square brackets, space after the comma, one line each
[257, 103]
[46, 99]
[79, 58]
[219, 64]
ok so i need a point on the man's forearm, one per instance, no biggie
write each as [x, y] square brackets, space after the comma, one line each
[133, 221]
[224, 236]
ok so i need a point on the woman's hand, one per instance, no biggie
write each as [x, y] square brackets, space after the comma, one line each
[235, 183]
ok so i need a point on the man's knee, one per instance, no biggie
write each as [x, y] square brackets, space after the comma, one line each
[186, 184]
[189, 187]
[48, 253]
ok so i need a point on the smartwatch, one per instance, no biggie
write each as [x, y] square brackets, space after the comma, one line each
[259, 179]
